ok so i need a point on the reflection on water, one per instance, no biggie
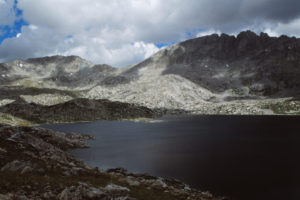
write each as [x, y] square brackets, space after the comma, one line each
[246, 157]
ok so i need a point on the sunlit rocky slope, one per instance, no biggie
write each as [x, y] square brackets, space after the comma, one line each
[246, 74]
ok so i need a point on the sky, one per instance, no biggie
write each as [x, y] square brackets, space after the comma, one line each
[125, 32]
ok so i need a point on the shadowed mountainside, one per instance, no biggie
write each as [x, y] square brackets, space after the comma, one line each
[267, 66]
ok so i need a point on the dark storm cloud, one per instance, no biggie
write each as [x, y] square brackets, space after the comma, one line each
[236, 15]
[275, 10]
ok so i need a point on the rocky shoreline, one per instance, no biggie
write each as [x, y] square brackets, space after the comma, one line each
[34, 165]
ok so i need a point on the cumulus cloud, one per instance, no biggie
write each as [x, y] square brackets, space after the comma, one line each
[123, 55]
[33, 42]
[124, 32]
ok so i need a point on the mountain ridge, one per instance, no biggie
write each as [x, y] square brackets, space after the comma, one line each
[215, 74]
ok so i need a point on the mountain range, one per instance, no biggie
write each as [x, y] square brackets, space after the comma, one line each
[215, 74]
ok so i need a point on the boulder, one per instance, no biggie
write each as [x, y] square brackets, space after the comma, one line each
[116, 189]
[82, 192]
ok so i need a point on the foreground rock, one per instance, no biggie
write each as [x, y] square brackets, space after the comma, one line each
[34, 165]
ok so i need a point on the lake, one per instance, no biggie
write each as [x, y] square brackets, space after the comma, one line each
[243, 157]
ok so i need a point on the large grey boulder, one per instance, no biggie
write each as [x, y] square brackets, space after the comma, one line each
[82, 192]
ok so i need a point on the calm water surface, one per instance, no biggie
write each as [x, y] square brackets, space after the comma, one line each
[244, 157]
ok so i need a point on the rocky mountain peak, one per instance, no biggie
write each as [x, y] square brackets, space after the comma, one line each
[247, 34]
[264, 35]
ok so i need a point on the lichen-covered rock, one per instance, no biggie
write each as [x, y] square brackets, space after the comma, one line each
[130, 180]
[116, 189]
[82, 192]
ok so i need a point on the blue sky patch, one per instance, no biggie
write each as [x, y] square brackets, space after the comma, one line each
[18, 11]
[69, 36]
[12, 31]
[160, 45]
[193, 33]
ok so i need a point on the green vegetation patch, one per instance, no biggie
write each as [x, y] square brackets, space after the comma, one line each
[13, 121]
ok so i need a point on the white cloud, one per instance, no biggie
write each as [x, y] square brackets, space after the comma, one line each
[122, 32]
[271, 32]
[277, 29]
[32, 27]
[40, 41]
[121, 56]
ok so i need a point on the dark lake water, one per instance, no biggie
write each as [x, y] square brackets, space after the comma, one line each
[243, 157]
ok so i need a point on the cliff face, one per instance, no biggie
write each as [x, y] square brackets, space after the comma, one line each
[266, 66]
